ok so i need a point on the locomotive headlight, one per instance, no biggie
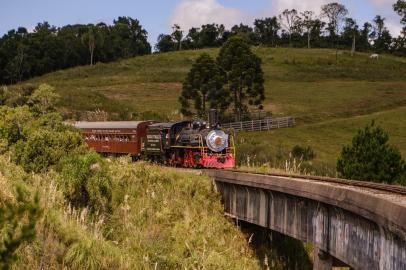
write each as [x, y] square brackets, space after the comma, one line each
[217, 140]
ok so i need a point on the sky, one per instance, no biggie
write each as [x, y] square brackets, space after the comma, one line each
[158, 16]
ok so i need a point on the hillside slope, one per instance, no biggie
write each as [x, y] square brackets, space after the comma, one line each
[329, 100]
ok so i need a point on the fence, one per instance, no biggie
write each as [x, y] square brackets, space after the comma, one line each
[261, 125]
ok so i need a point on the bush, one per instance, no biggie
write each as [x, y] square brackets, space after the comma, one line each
[303, 153]
[12, 123]
[44, 99]
[44, 148]
[370, 157]
[85, 181]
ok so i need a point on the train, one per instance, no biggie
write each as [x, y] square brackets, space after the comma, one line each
[192, 144]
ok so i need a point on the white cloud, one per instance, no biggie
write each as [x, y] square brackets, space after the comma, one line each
[194, 13]
[300, 5]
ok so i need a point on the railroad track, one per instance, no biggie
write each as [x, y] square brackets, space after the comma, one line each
[371, 185]
[355, 183]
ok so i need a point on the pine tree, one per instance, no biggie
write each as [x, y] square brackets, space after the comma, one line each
[371, 158]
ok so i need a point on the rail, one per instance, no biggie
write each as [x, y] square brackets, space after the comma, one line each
[261, 125]
[355, 183]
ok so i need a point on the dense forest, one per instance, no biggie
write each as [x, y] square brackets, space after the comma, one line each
[25, 54]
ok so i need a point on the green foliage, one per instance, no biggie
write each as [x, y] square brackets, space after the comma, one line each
[25, 54]
[13, 122]
[303, 153]
[204, 85]
[165, 43]
[92, 38]
[17, 226]
[44, 99]
[43, 148]
[86, 182]
[244, 73]
[400, 8]
[370, 157]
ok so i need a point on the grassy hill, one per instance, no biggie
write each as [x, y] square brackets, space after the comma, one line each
[330, 100]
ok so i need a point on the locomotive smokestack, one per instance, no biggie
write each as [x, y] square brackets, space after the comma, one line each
[213, 118]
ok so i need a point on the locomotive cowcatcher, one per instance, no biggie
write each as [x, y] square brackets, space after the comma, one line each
[196, 144]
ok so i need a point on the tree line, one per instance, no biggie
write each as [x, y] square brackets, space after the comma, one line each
[332, 28]
[25, 54]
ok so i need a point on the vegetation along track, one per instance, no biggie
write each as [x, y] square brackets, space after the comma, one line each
[394, 189]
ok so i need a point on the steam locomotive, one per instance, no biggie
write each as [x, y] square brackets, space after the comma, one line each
[188, 143]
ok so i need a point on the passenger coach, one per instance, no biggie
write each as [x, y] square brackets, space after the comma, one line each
[119, 137]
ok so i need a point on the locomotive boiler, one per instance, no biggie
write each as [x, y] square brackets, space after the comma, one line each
[191, 144]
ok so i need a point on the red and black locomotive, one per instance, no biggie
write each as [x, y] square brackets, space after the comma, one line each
[188, 143]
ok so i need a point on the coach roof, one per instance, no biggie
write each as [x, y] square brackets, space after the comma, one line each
[109, 124]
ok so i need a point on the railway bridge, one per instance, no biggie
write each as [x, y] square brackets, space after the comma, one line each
[362, 225]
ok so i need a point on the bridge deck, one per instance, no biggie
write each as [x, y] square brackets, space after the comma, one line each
[361, 225]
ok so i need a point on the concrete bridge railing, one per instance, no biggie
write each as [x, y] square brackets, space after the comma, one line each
[364, 228]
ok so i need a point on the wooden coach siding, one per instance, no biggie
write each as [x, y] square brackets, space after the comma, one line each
[261, 125]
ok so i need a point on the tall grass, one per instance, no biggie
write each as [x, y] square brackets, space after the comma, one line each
[160, 219]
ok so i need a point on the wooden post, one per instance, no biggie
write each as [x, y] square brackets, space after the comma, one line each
[252, 125]
[267, 123]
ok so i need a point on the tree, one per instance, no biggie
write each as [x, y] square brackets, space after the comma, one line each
[400, 8]
[204, 84]
[371, 158]
[91, 39]
[309, 22]
[243, 31]
[350, 33]
[243, 72]
[165, 43]
[177, 35]
[382, 36]
[335, 13]
[289, 19]
[365, 35]
[267, 30]
[44, 99]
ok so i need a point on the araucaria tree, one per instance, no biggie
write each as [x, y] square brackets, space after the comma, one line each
[244, 74]
[371, 158]
[204, 85]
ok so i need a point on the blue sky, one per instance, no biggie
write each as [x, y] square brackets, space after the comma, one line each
[157, 16]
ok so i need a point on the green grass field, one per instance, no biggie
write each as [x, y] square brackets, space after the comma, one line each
[330, 100]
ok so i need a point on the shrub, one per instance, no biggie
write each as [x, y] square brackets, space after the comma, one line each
[44, 99]
[303, 153]
[85, 181]
[370, 157]
[44, 148]
[12, 123]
